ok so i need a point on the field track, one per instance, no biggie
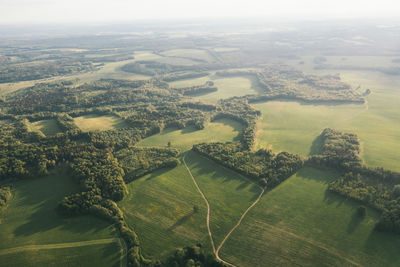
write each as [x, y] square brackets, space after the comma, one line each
[119, 241]
[216, 251]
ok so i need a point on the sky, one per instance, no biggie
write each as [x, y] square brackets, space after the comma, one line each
[76, 11]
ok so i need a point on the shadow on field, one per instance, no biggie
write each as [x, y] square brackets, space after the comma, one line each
[316, 146]
[332, 198]
[206, 167]
[38, 200]
[155, 174]
[181, 221]
[354, 223]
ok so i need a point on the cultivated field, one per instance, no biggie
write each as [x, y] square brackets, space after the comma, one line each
[299, 223]
[160, 206]
[99, 123]
[107, 255]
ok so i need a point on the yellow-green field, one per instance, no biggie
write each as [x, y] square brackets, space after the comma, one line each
[107, 255]
[292, 126]
[47, 127]
[227, 86]
[189, 53]
[223, 130]
[99, 123]
[299, 223]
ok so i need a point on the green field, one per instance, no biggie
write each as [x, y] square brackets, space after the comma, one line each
[99, 123]
[292, 126]
[159, 206]
[228, 193]
[106, 255]
[189, 53]
[299, 223]
[47, 127]
[30, 218]
[227, 86]
[223, 130]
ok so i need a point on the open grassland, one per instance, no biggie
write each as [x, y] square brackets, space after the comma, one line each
[47, 127]
[30, 217]
[230, 87]
[99, 123]
[223, 130]
[299, 223]
[106, 255]
[227, 86]
[292, 126]
[189, 53]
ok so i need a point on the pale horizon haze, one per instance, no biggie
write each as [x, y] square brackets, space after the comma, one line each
[74, 11]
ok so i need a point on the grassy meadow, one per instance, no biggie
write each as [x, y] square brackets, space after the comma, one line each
[223, 130]
[47, 127]
[299, 223]
[99, 123]
[107, 255]
[293, 126]
[30, 218]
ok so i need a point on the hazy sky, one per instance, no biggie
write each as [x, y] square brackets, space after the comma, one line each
[37, 11]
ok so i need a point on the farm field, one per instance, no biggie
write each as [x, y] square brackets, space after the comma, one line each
[99, 123]
[293, 126]
[223, 130]
[159, 206]
[30, 218]
[47, 127]
[107, 255]
[299, 223]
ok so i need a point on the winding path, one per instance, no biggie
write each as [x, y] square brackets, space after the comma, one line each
[216, 251]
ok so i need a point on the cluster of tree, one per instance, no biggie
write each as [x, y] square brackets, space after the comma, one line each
[91, 202]
[193, 256]
[183, 76]
[238, 109]
[375, 187]
[137, 162]
[338, 150]
[35, 71]
[19, 158]
[206, 88]
[5, 195]
[263, 166]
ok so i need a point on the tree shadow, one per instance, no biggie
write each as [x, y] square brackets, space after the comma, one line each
[181, 221]
[332, 198]
[216, 173]
[316, 146]
[355, 221]
[39, 198]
